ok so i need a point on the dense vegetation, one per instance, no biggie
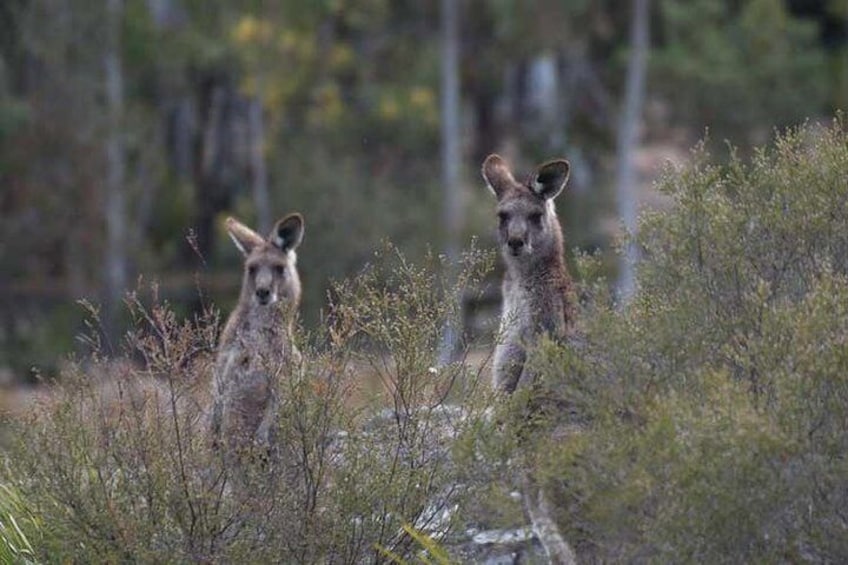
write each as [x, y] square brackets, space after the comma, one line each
[704, 421]
[117, 462]
[716, 404]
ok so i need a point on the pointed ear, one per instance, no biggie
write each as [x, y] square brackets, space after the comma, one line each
[244, 237]
[287, 233]
[550, 178]
[497, 174]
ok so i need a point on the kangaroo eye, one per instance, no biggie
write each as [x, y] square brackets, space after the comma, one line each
[279, 270]
[536, 219]
[503, 217]
[252, 270]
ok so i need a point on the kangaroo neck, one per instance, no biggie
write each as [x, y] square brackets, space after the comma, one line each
[261, 325]
[539, 294]
[537, 270]
[272, 317]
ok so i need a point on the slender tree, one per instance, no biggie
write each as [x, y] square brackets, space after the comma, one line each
[628, 131]
[451, 128]
[451, 186]
[258, 170]
[115, 199]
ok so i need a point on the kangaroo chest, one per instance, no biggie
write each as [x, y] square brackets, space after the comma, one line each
[252, 356]
[532, 308]
[250, 361]
[263, 344]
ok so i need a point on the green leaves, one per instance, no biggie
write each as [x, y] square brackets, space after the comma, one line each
[740, 68]
[118, 458]
[715, 406]
[431, 552]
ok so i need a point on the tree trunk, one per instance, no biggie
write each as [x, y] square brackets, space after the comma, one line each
[452, 211]
[217, 166]
[258, 171]
[487, 134]
[115, 200]
[627, 140]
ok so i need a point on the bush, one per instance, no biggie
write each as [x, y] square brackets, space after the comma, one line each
[118, 462]
[703, 422]
[17, 526]
[714, 407]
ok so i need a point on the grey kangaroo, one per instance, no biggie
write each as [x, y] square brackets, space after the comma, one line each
[256, 346]
[537, 289]
[537, 300]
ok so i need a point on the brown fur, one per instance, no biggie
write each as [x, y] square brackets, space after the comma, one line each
[537, 300]
[537, 289]
[256, 347]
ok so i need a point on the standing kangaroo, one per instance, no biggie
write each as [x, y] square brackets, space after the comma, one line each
[537, 289]
[256, 346]
[537, 300]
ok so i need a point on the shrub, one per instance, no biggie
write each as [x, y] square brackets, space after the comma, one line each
[713, 408]
[703, 422]
[118, 462]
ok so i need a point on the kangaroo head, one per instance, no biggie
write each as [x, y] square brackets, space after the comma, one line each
[527, 222]
[270, 265]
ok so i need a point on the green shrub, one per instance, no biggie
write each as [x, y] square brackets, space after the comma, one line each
[117, 459]
[703, 422]
[713, 409]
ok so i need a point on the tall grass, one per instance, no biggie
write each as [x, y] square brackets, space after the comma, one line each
[19, 528]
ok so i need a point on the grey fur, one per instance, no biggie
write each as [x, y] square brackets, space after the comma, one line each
[256, 347]
[537, 300]
[537, 293]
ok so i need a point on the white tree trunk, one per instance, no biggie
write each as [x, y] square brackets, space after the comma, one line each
[115, 201]
[258, 170]
[628, 130]
[452, 210]
[451, 157]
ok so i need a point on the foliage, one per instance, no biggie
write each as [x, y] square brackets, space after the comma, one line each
[17, 526]
[117, 458]
[349, 96]
[431, 552]
[711, 412]
[738, 68]
[703, 422]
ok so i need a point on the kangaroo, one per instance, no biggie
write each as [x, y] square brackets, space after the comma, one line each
[256, 346]
[537, 300]
[537, 289]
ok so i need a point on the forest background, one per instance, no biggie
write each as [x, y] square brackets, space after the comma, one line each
[130, 128]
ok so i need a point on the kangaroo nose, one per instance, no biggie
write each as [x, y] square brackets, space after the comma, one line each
[515, 244]
[262, 294]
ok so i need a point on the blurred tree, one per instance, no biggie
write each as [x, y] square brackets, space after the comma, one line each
[628, 132]
[451, 157]
[531, 65]
[738, 68]
[332, 108]
[115, 201]
[452, 192]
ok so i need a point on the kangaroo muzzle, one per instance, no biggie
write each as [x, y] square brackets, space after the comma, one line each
[263, 295]
[515, 245]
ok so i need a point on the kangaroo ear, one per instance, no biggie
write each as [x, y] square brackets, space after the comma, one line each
[497, 174]
[288, 232]
[550, 178]
[244, 237]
